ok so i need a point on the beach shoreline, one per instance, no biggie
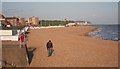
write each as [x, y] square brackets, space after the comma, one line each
[87, 33]
[105, 32]
[73, 44]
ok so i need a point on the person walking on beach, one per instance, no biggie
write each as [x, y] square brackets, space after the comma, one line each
[49, 47]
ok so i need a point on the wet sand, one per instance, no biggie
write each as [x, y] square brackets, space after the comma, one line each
[72, 48]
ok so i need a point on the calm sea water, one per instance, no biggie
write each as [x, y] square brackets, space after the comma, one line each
[107, 32]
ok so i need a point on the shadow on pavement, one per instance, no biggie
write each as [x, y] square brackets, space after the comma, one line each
[30, 54]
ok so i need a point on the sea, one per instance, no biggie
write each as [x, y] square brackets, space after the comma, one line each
[106, 32]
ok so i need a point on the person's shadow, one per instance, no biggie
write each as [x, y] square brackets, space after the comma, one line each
[30, 54]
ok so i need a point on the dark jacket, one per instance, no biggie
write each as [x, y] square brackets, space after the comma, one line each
[49, 45]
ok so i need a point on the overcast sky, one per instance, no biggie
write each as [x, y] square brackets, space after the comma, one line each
[95, 12]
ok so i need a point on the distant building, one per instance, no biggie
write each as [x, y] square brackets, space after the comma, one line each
[22, 21]
[30, 20]
[14, 21]
[71, 24]
[4, 22]
[18, 21]
[78, 23]
[83, 22]
[34, 21]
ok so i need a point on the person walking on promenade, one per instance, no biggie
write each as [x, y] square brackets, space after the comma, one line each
[49, 47]
[22, 40]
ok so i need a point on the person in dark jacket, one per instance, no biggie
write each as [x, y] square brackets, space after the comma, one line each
[49, 48]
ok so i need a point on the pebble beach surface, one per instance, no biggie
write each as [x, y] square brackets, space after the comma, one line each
[72, 48]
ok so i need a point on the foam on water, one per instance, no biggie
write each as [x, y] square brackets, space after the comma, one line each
[107, 32]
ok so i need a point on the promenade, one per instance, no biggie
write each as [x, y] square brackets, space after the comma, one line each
[72, 48]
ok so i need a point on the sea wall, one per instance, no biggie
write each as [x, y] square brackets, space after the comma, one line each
[14, 56]
[5, 32]
[11, 38]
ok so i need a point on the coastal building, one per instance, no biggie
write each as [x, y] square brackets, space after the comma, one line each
[14, 21]
[34, 21]
[83, 22]
[4, 22]
[71, 24]
[30, 20]
[22, 21]
[78, 23]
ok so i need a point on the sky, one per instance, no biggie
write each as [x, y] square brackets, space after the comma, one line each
[59, 0]
[95, 12]
[119, 12]
[0, 7]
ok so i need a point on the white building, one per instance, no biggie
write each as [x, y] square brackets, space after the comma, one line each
[71, 24]
[83, 23]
